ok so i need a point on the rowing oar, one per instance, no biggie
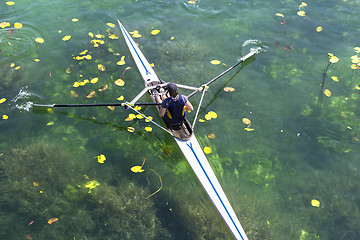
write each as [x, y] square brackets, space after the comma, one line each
[93, 105]
[223, 73]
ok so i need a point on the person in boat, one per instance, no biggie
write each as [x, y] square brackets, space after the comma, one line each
[173, 108]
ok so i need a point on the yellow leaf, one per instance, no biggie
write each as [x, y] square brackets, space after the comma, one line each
[2, 100]
[99, 35]
[50, 123]
[74, 20]
[172, 38]
[91, 34]
[148, 129]
[149, 117]
[76, 84]
[119, 82]
[155, 32]
[246, 120]
[39, 40]
[66, 38]
[207, 117]
[327, 92]
[357, 49]
[120, 98]
[215, 62]
[131, 129]
[207, 150]
[111, 25]
[315, 203]
[357, 87]
[101, 158]
[17, 68]
[94, 80]
[303, 4]
[122, 61]
[113, 36]
[101, 67]
[201, 120]
[36, 60]
[334, 59]
[249, 129]
[18, 25]
[5, 117]
[319, 29]
[229, 89]
[280, 15]
[35, 184]
[12, 65]
[10, 3]
[91, 185]
[335, 78]
[139, 116]
[137, 169]
[301, 13]
[137, 108]
[213, 114]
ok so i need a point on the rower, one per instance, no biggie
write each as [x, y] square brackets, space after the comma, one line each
[173, 108]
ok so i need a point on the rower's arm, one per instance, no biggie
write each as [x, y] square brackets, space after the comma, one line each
[188, 106]
[162, 111]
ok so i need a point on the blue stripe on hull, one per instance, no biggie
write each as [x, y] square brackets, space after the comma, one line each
[217, 194]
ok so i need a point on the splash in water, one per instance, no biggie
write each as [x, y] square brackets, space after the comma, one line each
[254, 45]
[23, 94]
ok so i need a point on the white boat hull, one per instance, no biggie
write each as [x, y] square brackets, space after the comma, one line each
[191, 149]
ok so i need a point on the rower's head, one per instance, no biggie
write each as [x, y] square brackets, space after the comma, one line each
[172, 89]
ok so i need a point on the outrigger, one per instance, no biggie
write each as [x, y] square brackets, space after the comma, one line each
[184, 135]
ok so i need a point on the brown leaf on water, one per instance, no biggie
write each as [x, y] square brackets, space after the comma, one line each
[91, 94]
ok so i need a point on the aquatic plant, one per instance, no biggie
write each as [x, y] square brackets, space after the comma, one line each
[42, 181]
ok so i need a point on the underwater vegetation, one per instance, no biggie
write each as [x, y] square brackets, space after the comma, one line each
[40, 182]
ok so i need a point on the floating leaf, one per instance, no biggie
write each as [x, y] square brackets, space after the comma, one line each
[52, 220]
[207, 150]
[36, 60]
[91, 94]
[327, 92]
[315, 203]
[155, 32]
[101, 67]
[10, 3]
[50, 123]
[120, 82]
[94, 80]
[137, 169]
[319, 29]
[17, 68]
[121, 62]
[12, 65]
[103, 88]
[357, 49]
[99, 35]
[131, 129]
[5, 117]
[215, 62]
[335, 78]
[213, 114]
[301, 13]
[91, 34]
[229, 89]
[246, 120]
[120, 98]
[18, 25]
[2, 100]
[101, 158]
[332, 58]
[279, 15]
[249, 129]
[135, 34]
[66, 38]
[74, 20]
[113, 36]
[147, 119]
[148, 129]
[211, 136]
[39, 40]
[35, 184]
[111, 25]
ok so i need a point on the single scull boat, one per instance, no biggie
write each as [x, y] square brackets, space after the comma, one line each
[185, 137]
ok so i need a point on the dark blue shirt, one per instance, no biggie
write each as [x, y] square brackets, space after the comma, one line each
[175, 109]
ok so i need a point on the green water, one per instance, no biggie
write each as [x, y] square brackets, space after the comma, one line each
[304, 145]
